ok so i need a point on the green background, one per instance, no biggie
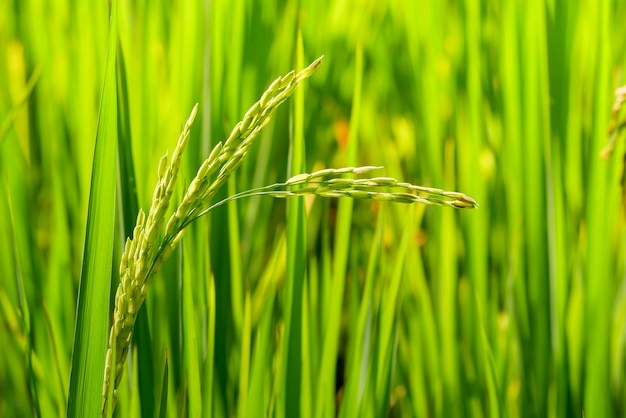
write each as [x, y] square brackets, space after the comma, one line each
[316, 306]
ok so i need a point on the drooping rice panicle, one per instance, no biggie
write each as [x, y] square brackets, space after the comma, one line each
[329, 183]
[136, 263]
[142, 257]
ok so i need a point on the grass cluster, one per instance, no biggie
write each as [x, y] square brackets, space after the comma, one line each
[222, 300]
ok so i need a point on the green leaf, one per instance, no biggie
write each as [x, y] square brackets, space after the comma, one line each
[163, 390]
[191, 355]
[129, 206]
[360, 357]
[325, 403]
[8, 119]
[26, 321]
[92, 318]
[244, 367]
[296, 260]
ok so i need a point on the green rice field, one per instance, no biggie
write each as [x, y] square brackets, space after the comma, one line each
[364, 281]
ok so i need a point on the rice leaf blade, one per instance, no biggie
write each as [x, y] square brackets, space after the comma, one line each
[23, 304]
[296, 260]
[92, 316]
[325, 402]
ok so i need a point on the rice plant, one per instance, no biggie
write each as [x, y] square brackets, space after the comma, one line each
[144, 255]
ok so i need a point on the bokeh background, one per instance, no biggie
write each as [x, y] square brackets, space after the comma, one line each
[517, 308]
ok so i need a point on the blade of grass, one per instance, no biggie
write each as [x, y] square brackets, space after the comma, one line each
[209, 370]
[470, 176]
[423, 336]
[234, 76]
[447, 297]
[534, 124]
[187, 57]
[23, 304]
[296, 260]
[325, 400]
[162, 394]
[359, 357]
[28, 89]
[491, 376]
[61, 400]
[559, 177]
[235, 276]
[244, 366]
[190, 340]
[259, 392]
[128, 208]
[306, 391]
[23, 285]
[92, 317]
[602, 215]
[389, 307]
[220, 59]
